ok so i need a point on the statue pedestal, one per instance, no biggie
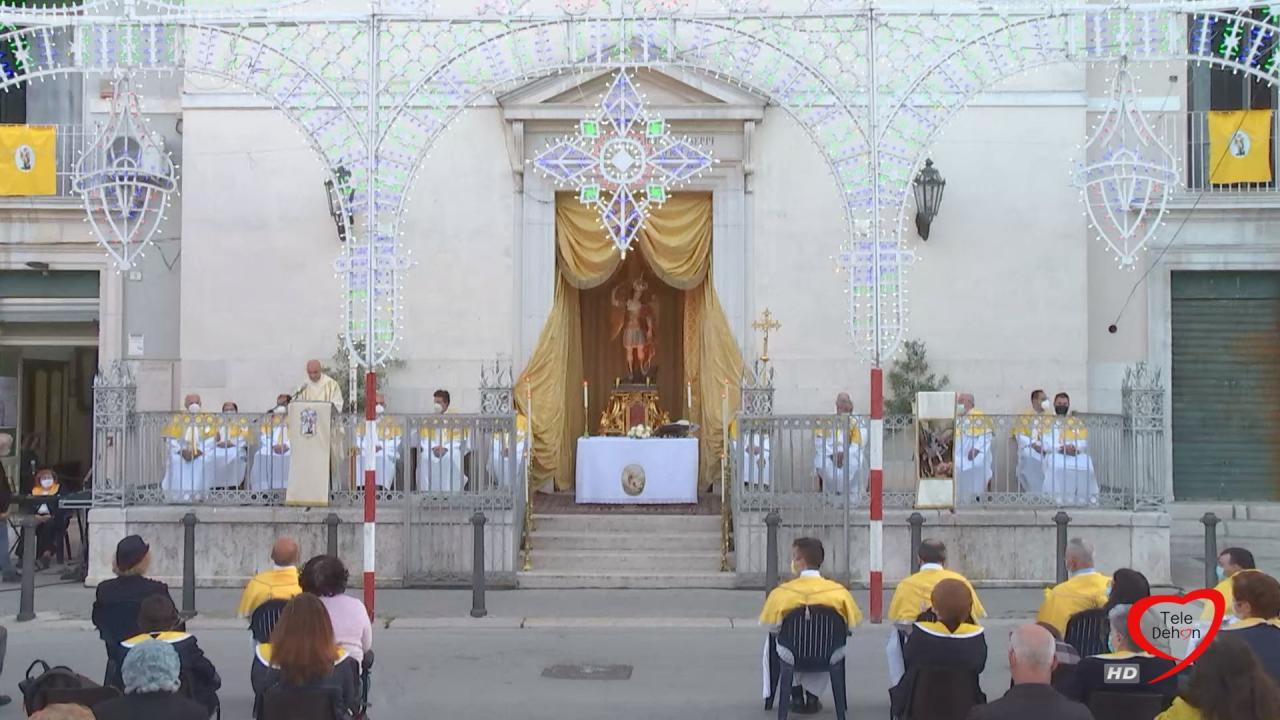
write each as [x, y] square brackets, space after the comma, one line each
[631, 405]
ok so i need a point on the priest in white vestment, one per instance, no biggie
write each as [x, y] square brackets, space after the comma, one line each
[229, 457]
[320, 387]
[270, 470]
[386, 449]
[755, 456]
[973, 437]
[837, 458]
[507, 454]
[1027, 433]
[1068, 470]
[442, 451]
[188, 440]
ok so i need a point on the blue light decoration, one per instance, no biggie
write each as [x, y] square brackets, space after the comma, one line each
[622, 161]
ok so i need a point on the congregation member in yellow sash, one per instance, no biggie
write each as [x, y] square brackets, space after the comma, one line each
[270, 470]
[53, 520]
[1227, 683]
[808, 588]
[755, 456]
[912, 596]
[972, 450]
[1084, 589]
[229, 457]
[386, 450]
[158, 619]
[443, 449]
[1090, 674]
[1257, 605]
[951, 642]
[279, 583]
[1068, 470]
[1027, 432]
[507, 453]
[189, 437]
[304, 655]
[836, 458]
[1231, 562]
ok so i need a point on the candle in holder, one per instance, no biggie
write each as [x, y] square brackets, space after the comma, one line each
[688, 396]
[586, 412]
[724, 414]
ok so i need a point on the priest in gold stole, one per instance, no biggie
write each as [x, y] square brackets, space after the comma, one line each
[1068, 470]
[973, 462]
[188, 438]
[832, 454]
[386, 450]
[441, 453]
[230, 454]
[270, 470]
[506, 457]
[319, 387]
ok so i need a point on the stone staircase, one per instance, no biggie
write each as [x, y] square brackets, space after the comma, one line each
[1253, 526]
[615, 550]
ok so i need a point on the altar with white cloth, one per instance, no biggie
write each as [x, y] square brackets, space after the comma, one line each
[619, 470]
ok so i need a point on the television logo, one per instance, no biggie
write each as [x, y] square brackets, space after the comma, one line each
[1120, 674]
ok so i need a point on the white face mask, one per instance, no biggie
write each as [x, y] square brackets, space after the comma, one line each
[1045, 405]
[379, 408]
[280, 410]
[437, 408]
[193, 407]
[46, 482]
[960, 409]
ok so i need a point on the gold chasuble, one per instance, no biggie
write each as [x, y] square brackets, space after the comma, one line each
[675, 246]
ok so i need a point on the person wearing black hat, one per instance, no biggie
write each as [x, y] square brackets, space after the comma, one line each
[115, 608]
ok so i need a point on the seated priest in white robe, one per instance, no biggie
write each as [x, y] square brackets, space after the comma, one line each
[229, 457]
[1068, 471]
[442, 452]
[755, 456]
[386, 450]
[270, 469]
[973, 438]
[188, 439]
[507, 454]
[1027, 433]
[836, 458]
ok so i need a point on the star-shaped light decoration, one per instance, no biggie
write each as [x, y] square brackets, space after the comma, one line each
[622, 161]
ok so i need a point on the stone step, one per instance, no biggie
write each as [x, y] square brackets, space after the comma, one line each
[1184, 510]
[631, 541]
[1266, 551]
[627, 523]
[1269, 512]
[603, 561]
[1246, 529]
[545, 580]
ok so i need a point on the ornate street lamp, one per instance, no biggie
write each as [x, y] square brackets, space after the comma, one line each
[928, 187]
[332, 190]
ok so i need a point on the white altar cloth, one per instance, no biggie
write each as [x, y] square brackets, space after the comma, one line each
[669, 466]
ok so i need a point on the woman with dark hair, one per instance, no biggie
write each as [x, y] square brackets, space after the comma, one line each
[326, 577]
[1256, 598]
[302, 654]
[1226, 684]
[1128, 586]
[950, 642]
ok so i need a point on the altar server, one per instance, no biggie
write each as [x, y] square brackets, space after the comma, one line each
[1027, 433]
[507, 453]
[972, 450]
[270, 469]
[188, 437]
[1085, 589]
[1068, 470]
[229, 457]
[836, 458]
[386, 448]
[442, 451]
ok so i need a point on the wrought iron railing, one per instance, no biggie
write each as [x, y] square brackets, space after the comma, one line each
[1190, 132]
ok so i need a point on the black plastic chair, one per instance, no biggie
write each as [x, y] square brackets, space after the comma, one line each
[366, 677]
[1126, 705]
[281, 703]
[941, 694]
[116, 622]
[88, 697]
[811, 639]
[1087, 632]
[264, 619]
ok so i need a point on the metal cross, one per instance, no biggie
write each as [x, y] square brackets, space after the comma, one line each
[766, 323]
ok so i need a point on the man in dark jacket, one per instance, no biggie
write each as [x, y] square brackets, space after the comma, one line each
[1031, 661]
[115, 609]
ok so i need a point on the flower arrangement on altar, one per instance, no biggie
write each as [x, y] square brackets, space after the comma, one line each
[640, 432]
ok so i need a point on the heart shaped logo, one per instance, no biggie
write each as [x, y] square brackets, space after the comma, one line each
[1181, 624]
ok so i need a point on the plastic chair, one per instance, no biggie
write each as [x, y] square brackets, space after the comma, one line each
[264, 619]
[941, 694]
[366, 677]
[812, 639]
[1087, 632]
[1126, 705]
[88, 697]
[281, 703]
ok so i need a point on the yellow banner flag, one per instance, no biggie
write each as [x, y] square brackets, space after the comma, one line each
[1239, 146]
[28, 160]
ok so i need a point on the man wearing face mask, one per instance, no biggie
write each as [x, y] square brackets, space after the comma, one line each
[1231, 562]
[1027, 433]
[833, 452]
[808, 588]
[189, 437]
[386, 450]
[972, 450]
[270, 469]
[443, 451]
[230, 455]
[1068, 470]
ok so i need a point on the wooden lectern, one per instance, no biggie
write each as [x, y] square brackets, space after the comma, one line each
[311, 427]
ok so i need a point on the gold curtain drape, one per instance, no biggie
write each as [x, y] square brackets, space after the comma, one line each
[676, 243]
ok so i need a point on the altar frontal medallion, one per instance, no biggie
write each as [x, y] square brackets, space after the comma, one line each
[633, 479]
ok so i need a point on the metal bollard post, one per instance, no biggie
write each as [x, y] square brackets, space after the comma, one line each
[331, 531]
[1210, 521]
[916, 521]
[1062, 518]
[771, 521]
[27, 599]
[189, 565]
[477, 566]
